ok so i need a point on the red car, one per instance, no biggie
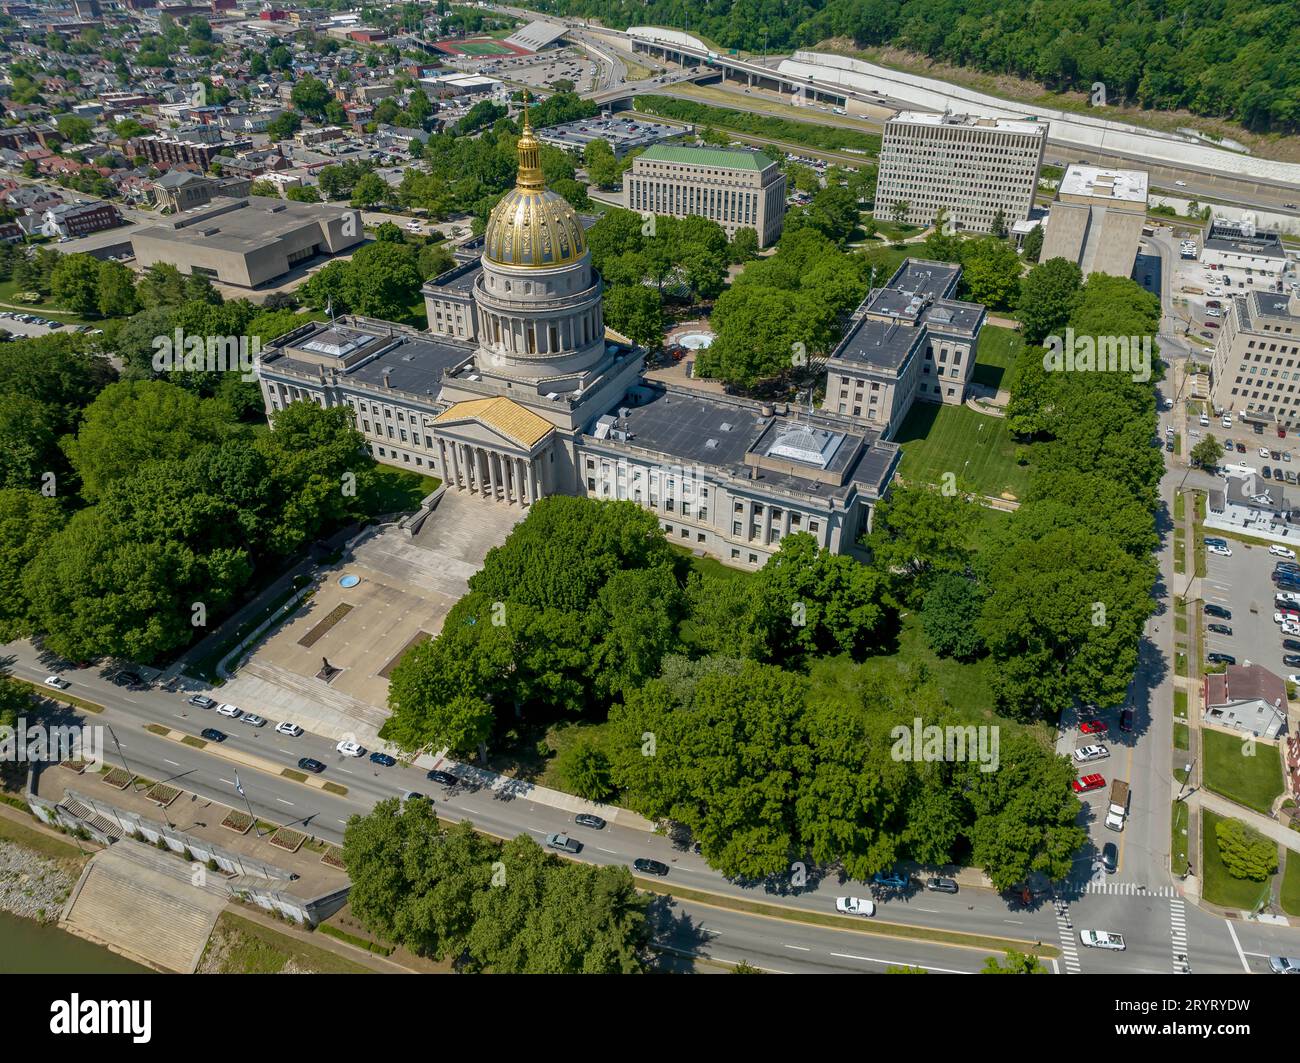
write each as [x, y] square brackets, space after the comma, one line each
[1087, 784]
[1093, 727]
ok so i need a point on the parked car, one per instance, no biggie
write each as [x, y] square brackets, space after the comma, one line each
[58, 682]
[1093, 727]
[1086, 753]
[1282, 551]
[287, 728]
[444, 777]
[650, 867]
[1284, 965]
[1215, 540]
[382, 759]
[941, 885]
[130, 680]
[1221, 658]
[212, 734]
[351, 749]
[1241, 448]
[201, 701]
[1126, 719]
[309, 764]
[1219, 629]
[1268, 475]
[1222, 551]
[1110, 857]
[253, 720]
[413, 795]
[1217, 610]
[1102, 939]
[1291, 644]
[855, 906]
[230, 711]
[1087, 784]
[586, 819]
[891, 880]
[1291, 660]
[564, 843]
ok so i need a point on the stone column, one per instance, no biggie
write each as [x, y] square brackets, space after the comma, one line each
[767, 524]
[785, 523]
[520, 478]
[442, 460]
[533, 478]
[491, 478]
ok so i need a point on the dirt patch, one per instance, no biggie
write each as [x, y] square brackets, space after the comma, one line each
[322, 629]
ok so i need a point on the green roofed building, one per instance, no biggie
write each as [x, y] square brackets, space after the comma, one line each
[737, 188]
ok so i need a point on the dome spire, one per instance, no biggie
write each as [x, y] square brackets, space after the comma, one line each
[530, 155]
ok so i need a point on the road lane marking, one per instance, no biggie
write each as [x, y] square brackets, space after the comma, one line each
[797, 948]
[894, 963]
[171, 762]
[610, 851]
[284, 802]
[1237, 945]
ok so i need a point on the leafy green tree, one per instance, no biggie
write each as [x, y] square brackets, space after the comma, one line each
[302, 194]
[28, 520]
[918, 534]
[28, 441]
[584, 767]
[309, 94]
[1032, 247]
[74, 283]
[435, 260]
[285, 126]
[950, 615]
[637, 312]
[265, 188]
[1013, 963]
[116, 290]
[369, 190]
[744, 245]
[990, 272]
[602, 168]
[383, 280]
[1245, 852]
[1047, 297]
[388, 233]
[1207, 452]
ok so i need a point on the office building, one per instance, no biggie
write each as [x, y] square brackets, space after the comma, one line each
[1255, 369]
[1096, 219]
[1242, 257]
[736, 187]
[972, 167]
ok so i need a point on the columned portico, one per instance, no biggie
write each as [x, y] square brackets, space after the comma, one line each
[495, 447]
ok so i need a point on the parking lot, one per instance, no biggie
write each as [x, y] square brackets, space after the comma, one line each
[1243, 585]
[35, 325]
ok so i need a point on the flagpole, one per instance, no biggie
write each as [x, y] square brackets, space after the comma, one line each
[240, 788]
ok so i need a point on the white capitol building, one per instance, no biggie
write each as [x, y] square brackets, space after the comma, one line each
[517, 392]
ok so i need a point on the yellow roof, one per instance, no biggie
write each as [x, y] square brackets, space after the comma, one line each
[507, 417]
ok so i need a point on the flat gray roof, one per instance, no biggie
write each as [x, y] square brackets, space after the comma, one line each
[243, 228]
[879, 344]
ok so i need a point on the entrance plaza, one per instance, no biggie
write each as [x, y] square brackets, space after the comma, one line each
[407, 586]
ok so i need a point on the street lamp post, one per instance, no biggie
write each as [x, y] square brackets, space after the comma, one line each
[118, 746]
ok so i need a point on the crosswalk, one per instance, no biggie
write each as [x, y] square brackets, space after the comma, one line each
[1069, 943]
[1127, 889]
[1178, 935]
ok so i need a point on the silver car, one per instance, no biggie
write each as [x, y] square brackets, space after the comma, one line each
[1284, 965]
[253, 720]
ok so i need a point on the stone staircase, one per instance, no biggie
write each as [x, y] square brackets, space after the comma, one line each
[142, 903]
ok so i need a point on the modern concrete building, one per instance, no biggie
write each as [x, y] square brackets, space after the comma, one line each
[247, 242]
[517, 392]
[972, 167]
[1243, 257]
[1096, 220]
[1255, 370]
[910, 340]
[737, 188]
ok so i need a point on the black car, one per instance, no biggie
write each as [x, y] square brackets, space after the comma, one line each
[1279, 473]
[941, 885]
[1169, 446]
[382, 759]
[1126, 719]
[1291, 644]
[1220, 629]
[1110, 857]
[1268, 473]
[444, 777]
[1219, 611]
[129, 680]
[212, 734]
[586, 819]
[650, 867]
[202, 701]
[314, 766]
[1292, 659]
[1221, 658]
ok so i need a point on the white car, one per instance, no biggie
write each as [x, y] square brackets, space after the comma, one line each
[1211, 312]
[1086, 753]
[351, 749]
[855, 906]
[1102, 939]
[229, 710]
[57, 682]
[287, 728]
[1290, 627]
[1226, 422]
[1263, 453]
[1282, 551]
[253, 720]
[1287, 598]
[1216, 291]
[1287, 616]
[1181, 184]
[1222, 551]
[1293, 678]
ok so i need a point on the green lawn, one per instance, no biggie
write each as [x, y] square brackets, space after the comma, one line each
[1182, 736]
[1219, 887]
[997, 352]
[1290, 892]
[45, 306]
[978, 449]
[711, 566]
[1253, 781]
[398, 490]
[966, 686]
[1178, 837]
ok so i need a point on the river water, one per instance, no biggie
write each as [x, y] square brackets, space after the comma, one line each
[27, 947]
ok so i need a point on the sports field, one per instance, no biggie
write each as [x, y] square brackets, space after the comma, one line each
[477, 46]
[979, 450]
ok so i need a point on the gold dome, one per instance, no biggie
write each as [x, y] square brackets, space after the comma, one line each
[532, 226]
